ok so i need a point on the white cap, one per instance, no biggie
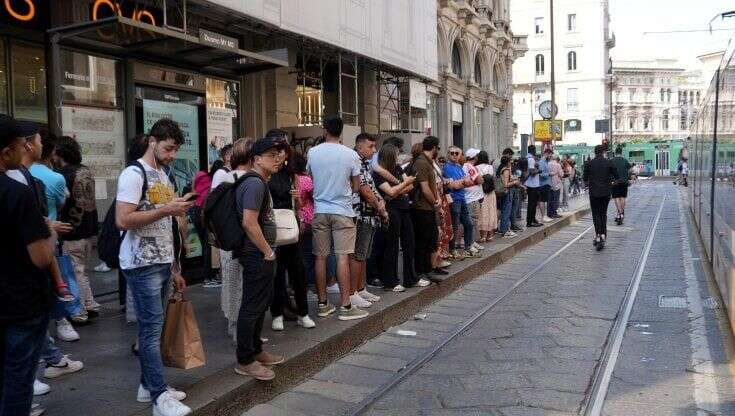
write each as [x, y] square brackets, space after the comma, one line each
[471, 153]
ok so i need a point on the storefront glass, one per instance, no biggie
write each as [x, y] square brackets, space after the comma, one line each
[3, 80]
[432, 118]
[88, 80]
[222, 116]
[28, 66]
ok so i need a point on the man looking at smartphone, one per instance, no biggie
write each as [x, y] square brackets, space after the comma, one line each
[147, 257]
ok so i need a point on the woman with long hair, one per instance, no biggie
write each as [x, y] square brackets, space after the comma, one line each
[400, 227]
[488, 220]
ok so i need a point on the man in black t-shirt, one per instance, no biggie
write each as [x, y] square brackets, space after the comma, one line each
[26, 250]
[257, 258]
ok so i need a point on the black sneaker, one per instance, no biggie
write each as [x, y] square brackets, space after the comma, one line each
[536, 224]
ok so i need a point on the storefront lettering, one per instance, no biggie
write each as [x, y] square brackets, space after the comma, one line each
[140, 15]
[23, 17]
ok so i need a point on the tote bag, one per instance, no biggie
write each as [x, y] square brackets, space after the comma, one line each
[181, 344]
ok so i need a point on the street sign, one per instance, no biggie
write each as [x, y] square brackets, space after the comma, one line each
[545, 130]
[602, 126]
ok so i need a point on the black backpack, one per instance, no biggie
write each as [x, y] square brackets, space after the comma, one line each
[488, 183]
[110, 238]
[221, 216]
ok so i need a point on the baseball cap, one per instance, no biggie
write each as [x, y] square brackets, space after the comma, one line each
[471, 153]
[267, 143]
[9, 130]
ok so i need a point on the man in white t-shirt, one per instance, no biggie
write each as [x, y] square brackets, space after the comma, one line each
[147, 257]
[473, 194]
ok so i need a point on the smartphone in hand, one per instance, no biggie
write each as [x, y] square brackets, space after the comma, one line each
[192, 197]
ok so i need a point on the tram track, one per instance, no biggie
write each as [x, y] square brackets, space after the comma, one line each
[601, 378]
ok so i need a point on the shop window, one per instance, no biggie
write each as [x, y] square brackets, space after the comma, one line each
[88, 80]
[222, 116]
[28, 68]
[3, 80]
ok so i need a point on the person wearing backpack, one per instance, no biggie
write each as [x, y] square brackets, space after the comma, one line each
[257, 256]
[506, 203]
[145, 207]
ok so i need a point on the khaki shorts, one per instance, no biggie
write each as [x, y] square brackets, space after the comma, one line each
[329, 227]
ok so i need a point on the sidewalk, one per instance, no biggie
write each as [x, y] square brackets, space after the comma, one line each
[110, 377]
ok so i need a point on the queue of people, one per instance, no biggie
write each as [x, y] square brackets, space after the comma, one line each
[357, 214]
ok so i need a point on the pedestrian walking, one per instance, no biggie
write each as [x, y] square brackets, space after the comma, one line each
[145, 209]
[599, 175]
[257, 257]
[620, 188]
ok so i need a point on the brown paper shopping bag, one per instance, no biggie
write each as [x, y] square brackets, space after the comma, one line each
[181, 345]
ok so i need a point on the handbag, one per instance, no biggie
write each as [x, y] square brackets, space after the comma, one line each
[287, 227]
[181, 344]
[61, 308]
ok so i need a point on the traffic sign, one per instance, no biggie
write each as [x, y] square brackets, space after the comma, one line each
[545, 130]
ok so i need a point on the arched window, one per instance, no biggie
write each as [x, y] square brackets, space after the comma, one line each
[665, 120]
[572, 61]
[478, 71]
[662, 95]
[668, 95]
[539, 64]
[631, 123]
[456, 61]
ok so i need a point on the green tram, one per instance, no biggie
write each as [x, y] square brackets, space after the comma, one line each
[654, 158]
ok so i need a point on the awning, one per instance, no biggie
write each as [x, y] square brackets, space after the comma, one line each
[122, 36]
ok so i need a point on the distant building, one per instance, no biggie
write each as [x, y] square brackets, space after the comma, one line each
[583, 40]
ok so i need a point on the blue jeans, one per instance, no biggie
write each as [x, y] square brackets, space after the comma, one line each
[50, 353]
[506, 206]
[19, 351]
[149, 286]
[461, 214]
[553, 207]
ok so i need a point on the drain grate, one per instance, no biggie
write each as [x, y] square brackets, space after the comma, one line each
[672, 302]
[710, 303]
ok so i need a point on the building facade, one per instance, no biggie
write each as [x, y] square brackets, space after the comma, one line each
[470, 105]
[647, 100]
[583, 40]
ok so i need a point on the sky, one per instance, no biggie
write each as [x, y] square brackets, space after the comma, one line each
[631, 18]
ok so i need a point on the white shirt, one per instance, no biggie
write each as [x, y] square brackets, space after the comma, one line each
[222, 176]
[152, 243]
[533, 180]
[472, 193]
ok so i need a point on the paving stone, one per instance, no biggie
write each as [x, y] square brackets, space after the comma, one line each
[373, 361]
[375, 347]
[550, 399]
[356, 376]
[336, 391]
[270, 410]
[308, 404]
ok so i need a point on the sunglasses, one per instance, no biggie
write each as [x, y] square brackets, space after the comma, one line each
[455, 153]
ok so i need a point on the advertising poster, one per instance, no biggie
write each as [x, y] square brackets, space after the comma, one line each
[219, 131]
[186, 164]
[101, 135]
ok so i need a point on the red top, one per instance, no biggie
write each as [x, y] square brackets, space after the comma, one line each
[202, 185]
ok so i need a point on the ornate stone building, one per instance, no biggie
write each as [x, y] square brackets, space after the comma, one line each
[471, 103]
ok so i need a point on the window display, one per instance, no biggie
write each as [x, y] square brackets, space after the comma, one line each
[28, 67]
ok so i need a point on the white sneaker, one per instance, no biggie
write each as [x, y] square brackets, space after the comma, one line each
[277, 324]
[547, 219]
[444, 263]
[66, 332]
[368, 296]
[305, 321]
[477, 246]
[102, 268]
[65, 366]
[358, 301]
[36, 410]
[144, 396]
[423, 283]
[39, 389]
[333, 289]
[167, 405]
[474, 250]
[509, 234]
[398, 289]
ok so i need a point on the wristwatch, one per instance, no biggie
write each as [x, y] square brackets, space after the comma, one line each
[270, 257]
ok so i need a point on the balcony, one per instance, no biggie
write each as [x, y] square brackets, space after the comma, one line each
[520, 45]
